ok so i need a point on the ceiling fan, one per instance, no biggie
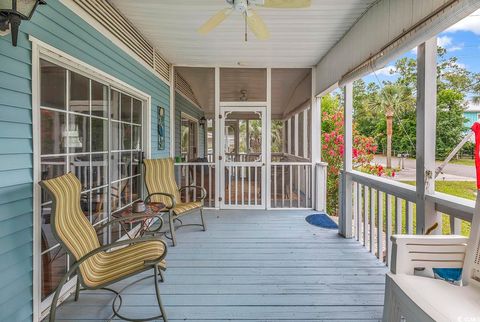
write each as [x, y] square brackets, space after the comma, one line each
[252, 19]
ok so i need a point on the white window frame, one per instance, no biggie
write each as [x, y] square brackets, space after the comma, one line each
[50, 53]
[195, 120]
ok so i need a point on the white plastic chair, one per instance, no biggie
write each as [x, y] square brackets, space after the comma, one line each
[409, 297]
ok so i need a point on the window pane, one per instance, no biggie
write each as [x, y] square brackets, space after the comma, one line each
[99, 205]
[115, 166]
[126, 137]
[99, 135]
[47, 238]
[85, 204]
[125, 165]
[51, 167]
[136, 188]
[136, 165]
[115, 196]
[78, 134]
[115, 105]
[99, 99]
[79, 94]
[52, 125]
[54, 267]
[99, 169]
[126, 108]
[137, 111]
[80, 167]
[116, 145]
[52, 85]
[136, 138]
[126, 192]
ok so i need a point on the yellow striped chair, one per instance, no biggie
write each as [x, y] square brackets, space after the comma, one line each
[98, 266]
[162, 188]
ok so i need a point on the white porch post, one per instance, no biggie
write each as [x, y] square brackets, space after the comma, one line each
[218, 132]
[172, 111]
[346, 213]
[268, 160]
[295, 134]
[426, 126]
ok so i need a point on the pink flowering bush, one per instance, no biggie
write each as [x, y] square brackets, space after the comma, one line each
[333, 148]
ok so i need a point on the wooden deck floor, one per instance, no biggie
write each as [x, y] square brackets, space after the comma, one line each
[255, 266]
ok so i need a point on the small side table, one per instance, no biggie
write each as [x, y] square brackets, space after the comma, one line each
[143, 218]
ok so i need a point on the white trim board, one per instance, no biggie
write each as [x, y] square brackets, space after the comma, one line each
[101, 29]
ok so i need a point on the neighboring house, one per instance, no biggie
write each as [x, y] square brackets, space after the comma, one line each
[472, 114]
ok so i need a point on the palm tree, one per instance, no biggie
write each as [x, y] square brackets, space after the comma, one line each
[392, 99]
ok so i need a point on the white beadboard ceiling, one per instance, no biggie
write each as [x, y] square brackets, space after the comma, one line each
[299, 37]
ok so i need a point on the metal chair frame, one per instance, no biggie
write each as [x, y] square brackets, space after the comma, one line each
[75, 268]
[172, 217]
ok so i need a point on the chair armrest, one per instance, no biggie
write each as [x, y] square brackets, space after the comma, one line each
[131, 217]
[172, 199]
[426, 251]
[202, 189]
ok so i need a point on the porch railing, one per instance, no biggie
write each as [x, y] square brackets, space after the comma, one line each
[382, 207]
[293, 185]
[197, 174]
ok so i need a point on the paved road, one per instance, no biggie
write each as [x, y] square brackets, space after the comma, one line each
[452, 172]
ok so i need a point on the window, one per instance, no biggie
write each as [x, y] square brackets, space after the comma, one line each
[189, 138]
[95, 132]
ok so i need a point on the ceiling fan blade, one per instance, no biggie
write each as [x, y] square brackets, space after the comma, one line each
[256, 24]
[287, 4]
[214, 21]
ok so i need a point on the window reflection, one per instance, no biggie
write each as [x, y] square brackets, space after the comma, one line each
[51, 124]
[77, 135]
[99, 99]
[79, 94]
[52, 85]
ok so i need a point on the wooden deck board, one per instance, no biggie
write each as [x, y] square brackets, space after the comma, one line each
[255, 266]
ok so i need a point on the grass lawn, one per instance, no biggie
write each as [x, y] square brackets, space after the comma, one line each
[470, 162]
[463, 189]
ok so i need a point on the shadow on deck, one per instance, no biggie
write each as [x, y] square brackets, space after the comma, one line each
[253, 265]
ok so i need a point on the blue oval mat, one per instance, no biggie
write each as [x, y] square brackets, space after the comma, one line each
[321, 220]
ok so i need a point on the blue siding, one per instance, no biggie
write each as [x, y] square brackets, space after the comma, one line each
[55, 25]
[185, 106]
[471, 117]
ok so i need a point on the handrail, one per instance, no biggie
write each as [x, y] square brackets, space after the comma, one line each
[457, 207]
[291, 163]
[194, 163]
[398, 189]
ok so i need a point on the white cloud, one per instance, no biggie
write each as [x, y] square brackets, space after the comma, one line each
[470, 23]
[444, 41]
[456, 47]
[387, 71]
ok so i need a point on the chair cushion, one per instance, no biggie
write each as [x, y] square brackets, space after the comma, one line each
[182, 208]
[441, 300]
[106, 267]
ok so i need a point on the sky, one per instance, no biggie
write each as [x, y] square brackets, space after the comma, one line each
[461, 40]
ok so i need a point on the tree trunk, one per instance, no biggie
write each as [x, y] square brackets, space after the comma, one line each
[389, 139]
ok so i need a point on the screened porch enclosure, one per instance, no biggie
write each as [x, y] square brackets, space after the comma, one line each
[258, 138]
